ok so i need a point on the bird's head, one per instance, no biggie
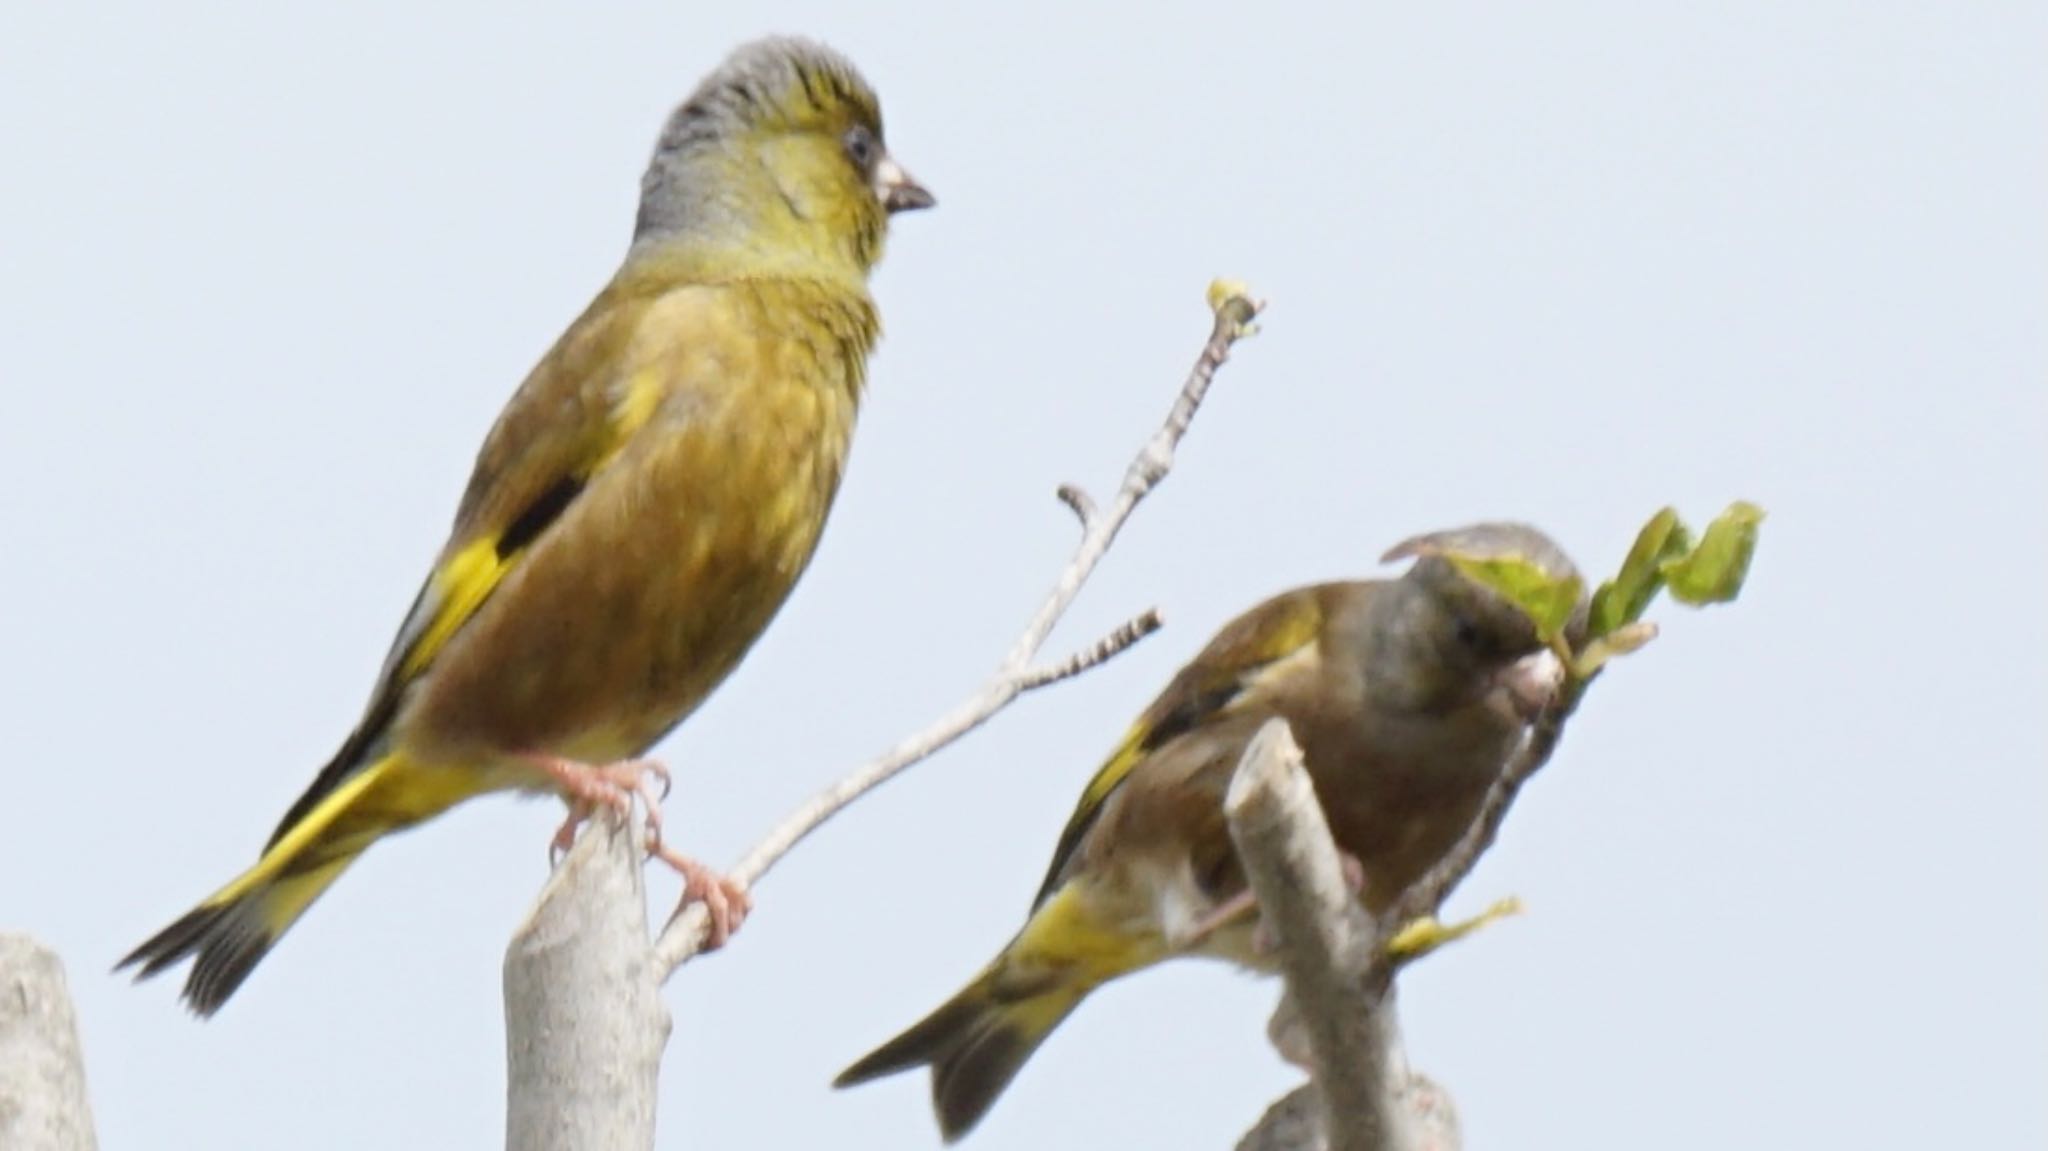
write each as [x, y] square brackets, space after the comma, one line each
[1458, 641]
[777, 162]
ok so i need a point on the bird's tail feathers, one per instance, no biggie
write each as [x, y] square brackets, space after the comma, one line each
[235, 927]
[978, 1040]
[975, 1045]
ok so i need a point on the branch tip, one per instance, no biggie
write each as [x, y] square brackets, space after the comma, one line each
[1235, 309]
[1076, 498]
[1126, 633]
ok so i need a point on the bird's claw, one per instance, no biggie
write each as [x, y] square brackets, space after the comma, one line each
[588, 787]
[565, 835]
[616, 785]
[726, 899]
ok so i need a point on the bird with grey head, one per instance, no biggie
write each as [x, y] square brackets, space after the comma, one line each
[640, 511]
[1408, 697]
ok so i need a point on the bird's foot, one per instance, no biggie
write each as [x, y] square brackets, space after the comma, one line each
[725, 898]
[588, 787]
[1354, 872]
[1219, 917]
[616, 785]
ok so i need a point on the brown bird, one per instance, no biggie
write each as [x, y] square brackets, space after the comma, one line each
[1407, 697]
[640, 511]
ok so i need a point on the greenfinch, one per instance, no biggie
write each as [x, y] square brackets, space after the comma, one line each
[638, 513]
[1407, 696]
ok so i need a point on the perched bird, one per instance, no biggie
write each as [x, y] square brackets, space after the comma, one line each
[1407, 697]
[640, 510]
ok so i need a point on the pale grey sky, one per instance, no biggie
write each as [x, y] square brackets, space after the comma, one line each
[268, 275]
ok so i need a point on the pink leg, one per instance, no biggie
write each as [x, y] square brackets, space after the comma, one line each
[725, 898]
[1354, 871]
[1221, 916]
[588, 787]
[615, 785]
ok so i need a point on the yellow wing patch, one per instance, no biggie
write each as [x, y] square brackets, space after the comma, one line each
[461, 586]
[1210, 686]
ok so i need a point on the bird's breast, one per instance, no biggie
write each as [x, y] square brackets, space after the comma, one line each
[1400, 790]
[654, 584]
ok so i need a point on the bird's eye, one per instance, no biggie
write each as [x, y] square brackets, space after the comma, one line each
[861, 147]
[1467, 633]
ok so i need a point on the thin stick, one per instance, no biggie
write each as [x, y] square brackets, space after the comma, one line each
[685, 934]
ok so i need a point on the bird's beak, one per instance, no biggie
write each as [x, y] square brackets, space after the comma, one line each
[897, 191]
[1525, 687]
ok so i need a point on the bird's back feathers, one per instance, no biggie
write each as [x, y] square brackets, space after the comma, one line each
[1211, 683]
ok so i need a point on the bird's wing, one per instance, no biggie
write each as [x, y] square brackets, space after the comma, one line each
[1216, 681]
[580, 405]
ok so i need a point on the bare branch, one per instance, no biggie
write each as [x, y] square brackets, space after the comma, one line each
[1375, 1100]
[1126, 634]
[685, 933]
[42, 1075]
[1294, 1123]
[1329, 946]
[1234, 314]
[1075, 497]
[584, 1021]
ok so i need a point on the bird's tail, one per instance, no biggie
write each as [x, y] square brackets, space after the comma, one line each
[975, 1045]
[977, 1042]
[235, 927]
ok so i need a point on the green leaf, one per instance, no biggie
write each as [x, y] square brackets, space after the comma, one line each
[1623, 599]
[1713, 571]
[1624, 640]
[1547, 600]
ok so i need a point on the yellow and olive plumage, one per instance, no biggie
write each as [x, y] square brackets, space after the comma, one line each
[1407, 697]
[645, 502]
